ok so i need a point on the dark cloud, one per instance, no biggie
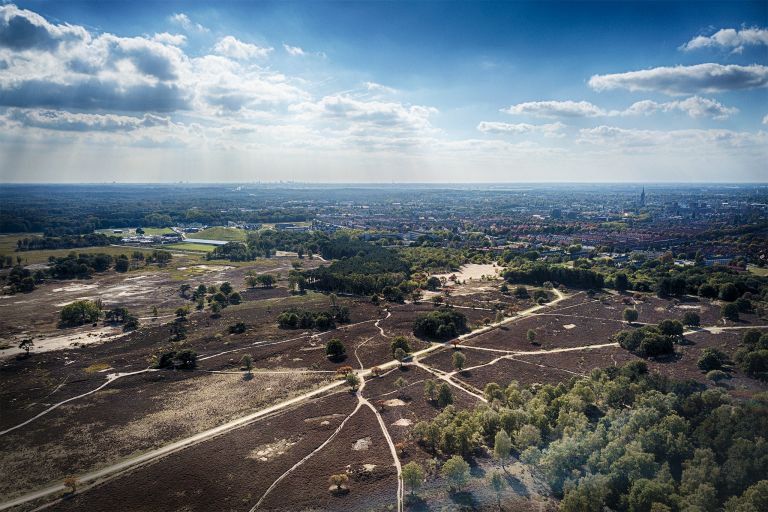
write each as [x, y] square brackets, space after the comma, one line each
[24, 30]
[78, 122]
[95, 94]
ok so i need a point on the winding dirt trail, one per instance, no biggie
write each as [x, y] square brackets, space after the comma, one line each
[110, 379]
[361, 401]
[130, 463]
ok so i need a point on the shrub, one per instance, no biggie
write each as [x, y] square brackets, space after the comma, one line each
[442, 324]
[400, 342]
[430, 390]
[185, 359]
[755, 364]
[711, 359]
[444, 395]
[235, 298]
[339, 481]
[630, 315]
[671, 328]
[717, 375]
[413, 476]
[646, 341]
[692, 319]
[352, 380]
[400, 355]
[335, 349]
[456, 471]
[80, 312]
[238, 328]
[458, 360]
[707, 290]
[728, 292]
[730, 311]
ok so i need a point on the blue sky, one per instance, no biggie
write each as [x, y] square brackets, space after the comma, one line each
[383, 91]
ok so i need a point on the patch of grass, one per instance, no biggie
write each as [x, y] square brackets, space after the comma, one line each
[190, 247]
[97, 367]
[220, 233]
[762, 272]
[30, 257]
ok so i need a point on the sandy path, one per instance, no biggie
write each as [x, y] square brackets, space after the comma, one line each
[112, 377]
[114, 470]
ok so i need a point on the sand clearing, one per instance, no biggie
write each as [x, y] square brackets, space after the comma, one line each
[473, 271]
[73, 339]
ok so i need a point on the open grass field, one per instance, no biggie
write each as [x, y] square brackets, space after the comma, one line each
[191, 247]
[220, 233]
[33, 257]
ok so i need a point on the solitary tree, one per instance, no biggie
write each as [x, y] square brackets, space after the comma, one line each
[400, 342]
[730, 311]
[26, 345]
[71, 484]
[181, 313]
[400, 355]
[502, 444]
[400, 383]
[458, 360]
[444, 395]
[353, 381]
[335, 350]
[184, 289]
[630, 315]
[691, 319]
[339, 481]
[247, 361]
[430, 390]
[530, 335]
[413, 476]
[456, 471]
[215, 309]
[496, 483]
[225, 288]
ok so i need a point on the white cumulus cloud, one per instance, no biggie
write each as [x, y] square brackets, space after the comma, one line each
[548, 130]
[695, 106]
[679, 80]
[187, 24]
[554, 108]
[729, 39]
[294, 51]
[230, 46]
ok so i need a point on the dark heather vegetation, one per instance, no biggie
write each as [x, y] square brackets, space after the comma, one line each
[295, 318]
[442, 324]
[621, 438]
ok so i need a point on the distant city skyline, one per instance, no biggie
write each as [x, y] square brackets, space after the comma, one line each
[382, 92]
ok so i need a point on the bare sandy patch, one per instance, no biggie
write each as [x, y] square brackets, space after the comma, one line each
[269, 451]
[77, 287]
[394, 402]
[402, 422]
[569, 326]
[69, 340]
[362, 444]
[473, 271]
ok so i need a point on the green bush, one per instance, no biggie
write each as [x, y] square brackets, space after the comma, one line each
[80, 312]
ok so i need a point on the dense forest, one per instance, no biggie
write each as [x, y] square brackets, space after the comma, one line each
[623, 438]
